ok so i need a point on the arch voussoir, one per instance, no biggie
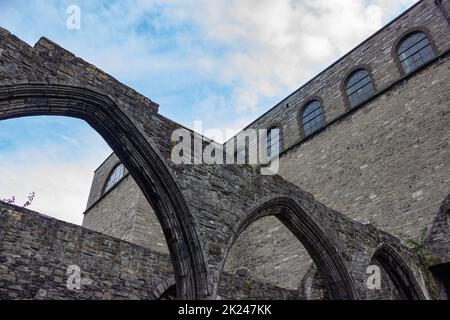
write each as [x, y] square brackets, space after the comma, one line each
[315, 241]
[144, 163]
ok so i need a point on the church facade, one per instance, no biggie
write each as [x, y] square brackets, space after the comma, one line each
[363, 181]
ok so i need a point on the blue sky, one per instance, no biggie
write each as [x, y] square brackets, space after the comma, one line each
[222, 62]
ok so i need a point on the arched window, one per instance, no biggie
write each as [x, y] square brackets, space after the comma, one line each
[414, 51]
[359, 87]
[273, 142]
[312, 119]
[114, 177]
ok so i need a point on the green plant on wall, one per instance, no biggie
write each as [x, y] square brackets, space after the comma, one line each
[248, 283]
[418, 246]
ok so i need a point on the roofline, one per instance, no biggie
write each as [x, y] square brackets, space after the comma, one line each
[176, 124]
[344, 115]
[104, 161]
[333, 64]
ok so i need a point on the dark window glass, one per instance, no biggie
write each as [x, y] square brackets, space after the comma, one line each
[114, 177]
[312, 118]
[273, 142]
[414, 51]
[359, 88]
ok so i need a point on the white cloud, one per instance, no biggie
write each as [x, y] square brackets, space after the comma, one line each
[56, 172]
[61, 189]
[277, 45]
[260, 49]
[268, 48]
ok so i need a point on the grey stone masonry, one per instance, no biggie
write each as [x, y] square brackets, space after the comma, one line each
[437, 249]
[271, 253]
[376, 54]
[38, 253]
[387, 162]
[438, 240]
[232, 287]
[122, 212]
[203, 208]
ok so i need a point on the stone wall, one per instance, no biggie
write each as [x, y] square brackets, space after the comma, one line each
[438, 240]
[101, 175]
[36, 252]
[114, 214]
[386, 163]
[201, 208]
[271, 253]
[376, 54]
[312, 286]
[387, 290]
[232, 287]
[437, 249]
[122, 212]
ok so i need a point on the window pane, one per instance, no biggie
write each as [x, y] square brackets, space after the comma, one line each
[414, 51]
[115, 176]
[312, 118]
[359, 88]
[273, 141]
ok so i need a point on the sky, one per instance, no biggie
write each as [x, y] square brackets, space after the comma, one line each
[222, 62]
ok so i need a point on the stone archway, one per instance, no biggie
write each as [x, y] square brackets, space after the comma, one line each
[321, 250]
[142, 160]
[398, 272]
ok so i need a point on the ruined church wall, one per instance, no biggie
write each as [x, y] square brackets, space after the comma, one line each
[36, 252]
[388, 162]
[385, 163]
[270, 253]
[122, 212]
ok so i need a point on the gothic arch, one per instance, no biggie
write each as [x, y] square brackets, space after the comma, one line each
[321, 250]
[143, 162]
[165, 290]
[399, 272]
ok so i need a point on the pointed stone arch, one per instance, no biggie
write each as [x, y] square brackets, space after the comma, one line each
[141, 158]
[321, 250]
[399, 272]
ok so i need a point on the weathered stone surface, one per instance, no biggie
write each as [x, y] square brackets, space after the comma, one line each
[270, 253]
[236, 288]
[122, 212]
[438, 240]
[36, 252]
[48, 80]
[312, 286]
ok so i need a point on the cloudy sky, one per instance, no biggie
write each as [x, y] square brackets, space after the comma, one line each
[220, 61]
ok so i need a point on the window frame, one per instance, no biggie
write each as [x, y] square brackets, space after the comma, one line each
[302, 110]
[347, 78]
[403, 37]
[107, 188]
[280, 140]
